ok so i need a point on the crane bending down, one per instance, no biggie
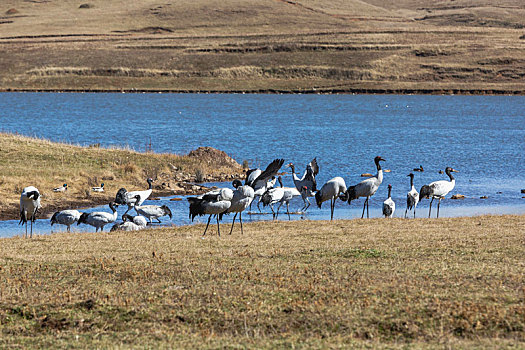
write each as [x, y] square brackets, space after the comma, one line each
[438, 189]
[130, 198]
[412, 197]
[211, 204]
[151, 211]
[367, 188]
[65, 217]
[330, 191]
[242, 198]
[99, 219]
[306, 185]
[281, 195]
[29, 206]
[389, 206]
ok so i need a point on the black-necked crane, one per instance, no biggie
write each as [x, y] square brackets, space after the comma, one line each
[65, 217]
[367, 188]
[412, 197]
[306, 185]
[331, 191]
[281, 195]
[258, 192]
[242, 198]
[438, 189]
[211, 204]
[62, 188]
[29, 206]
[130, 198]
[260, 180]
[389, 206]
[130, 223]
[151, 211]
[98, 188]
[99, 219]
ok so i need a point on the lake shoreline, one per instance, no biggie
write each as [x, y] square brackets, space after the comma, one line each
[356, 91]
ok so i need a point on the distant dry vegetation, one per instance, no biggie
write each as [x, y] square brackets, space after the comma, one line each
[375, 284]
[460, 46]
[53, 164]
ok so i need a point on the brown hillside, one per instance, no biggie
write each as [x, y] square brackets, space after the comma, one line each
[268, 45]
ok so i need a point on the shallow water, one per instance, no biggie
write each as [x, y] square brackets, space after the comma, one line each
[481, 136]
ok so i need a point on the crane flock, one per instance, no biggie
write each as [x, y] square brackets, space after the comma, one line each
[259, 185]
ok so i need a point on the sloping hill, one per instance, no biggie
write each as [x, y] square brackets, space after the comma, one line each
[241, 45]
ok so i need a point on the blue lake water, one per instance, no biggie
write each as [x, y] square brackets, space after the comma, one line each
[481, 136]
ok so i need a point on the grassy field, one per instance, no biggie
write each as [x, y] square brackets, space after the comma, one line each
[424, 283]
[26, 161]
[408, 46]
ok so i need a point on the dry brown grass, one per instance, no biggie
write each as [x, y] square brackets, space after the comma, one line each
[438, 283]
[26, 161]
[236, 45]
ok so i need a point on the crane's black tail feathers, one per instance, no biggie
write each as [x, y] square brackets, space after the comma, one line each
[196, 207]
[167, 211]
[318, 199]
[120, 198]
[266, 198]
[351, 194]
[344, 196]
[425, 192]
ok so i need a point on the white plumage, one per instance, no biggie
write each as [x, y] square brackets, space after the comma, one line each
[273, 196]
[330, 191]
[29, 206]
[130, 198]
[389, 206]
[306, 185]
[438, 189]
[367, 188]
[99, 219]
[151, 211]
[242, 198]
[130, 223]
[65, 217]
[412, 197]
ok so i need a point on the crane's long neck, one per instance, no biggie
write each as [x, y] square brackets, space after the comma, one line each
[449, 173]
[294, 176]
[280, 182]
[389, 191]
[150, 184]
[411, 182]
[379, 172]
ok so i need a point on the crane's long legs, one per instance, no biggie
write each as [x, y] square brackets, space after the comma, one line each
[414, 212]
[208, 224]
[288, 210]
[218, 226]
[273, 212]
[279, 207]
[367, 214]
[332, 206]
[406, 212]
[364, 205]
[430, 207]
[438, 207]
[233, 222]
[240, 219]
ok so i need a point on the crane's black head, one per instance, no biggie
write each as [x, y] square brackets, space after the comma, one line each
[137, 197]
[33, 195]
[378, 159]
[411, 175]
[167, 211]
[236, 183]
[82, 218]
[127, 217]
[449, 170]
[389, 187]
[65, 185]
[102, 185]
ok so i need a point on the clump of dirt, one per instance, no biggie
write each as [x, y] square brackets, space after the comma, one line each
[12, 11]
[86, 6]
[214, 157]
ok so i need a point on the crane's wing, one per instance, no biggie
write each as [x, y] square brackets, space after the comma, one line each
[312, 169]
[251, 175]
[271, 170]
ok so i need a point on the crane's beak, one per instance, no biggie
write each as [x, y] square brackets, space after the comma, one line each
[382, 159]
[455, 171]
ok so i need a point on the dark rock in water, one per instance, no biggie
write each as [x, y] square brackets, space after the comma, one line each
[155, 199]
[175, 199]
[523, 190]
[366, 175]
[483, 197]
[457, 196]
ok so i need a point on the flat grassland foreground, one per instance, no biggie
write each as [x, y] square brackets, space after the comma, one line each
[423, 283]
[370, 46]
